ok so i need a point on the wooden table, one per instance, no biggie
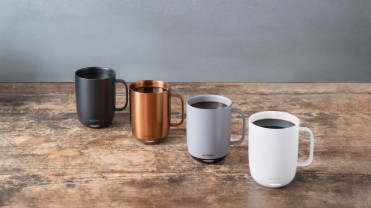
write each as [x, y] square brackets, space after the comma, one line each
[48, 159]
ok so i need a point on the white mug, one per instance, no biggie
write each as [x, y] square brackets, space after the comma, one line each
[273, 147]
[209, 127]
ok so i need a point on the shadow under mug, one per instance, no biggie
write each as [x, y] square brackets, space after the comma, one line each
[209, 127]
[150, 110]
[96, 96]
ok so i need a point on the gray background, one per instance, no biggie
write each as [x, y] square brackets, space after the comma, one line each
[187, 40]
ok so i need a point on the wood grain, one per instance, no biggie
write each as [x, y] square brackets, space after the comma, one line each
[48, 159]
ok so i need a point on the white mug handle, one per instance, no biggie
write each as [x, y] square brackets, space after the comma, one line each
[311, 150]
[237, 142]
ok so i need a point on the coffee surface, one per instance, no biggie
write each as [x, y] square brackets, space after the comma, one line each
[209, 105]
[273, 123]
[149, 89]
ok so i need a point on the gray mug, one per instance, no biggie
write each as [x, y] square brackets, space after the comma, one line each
[209, 127]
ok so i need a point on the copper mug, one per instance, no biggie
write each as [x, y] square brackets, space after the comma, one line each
[150, 110]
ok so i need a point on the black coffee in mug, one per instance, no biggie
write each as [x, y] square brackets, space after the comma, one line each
[95, 75]
[271, 123]
[209, 105]
[150, 89]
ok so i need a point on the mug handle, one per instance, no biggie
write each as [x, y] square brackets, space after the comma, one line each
[182, 100]
[237, 142]
[311, 150]
[126, 90]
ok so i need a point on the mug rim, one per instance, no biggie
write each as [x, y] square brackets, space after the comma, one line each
[281, 115]
[207, 98]
[149, 83]
[95, 69]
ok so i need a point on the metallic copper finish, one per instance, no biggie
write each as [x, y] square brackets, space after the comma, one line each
[150, 111]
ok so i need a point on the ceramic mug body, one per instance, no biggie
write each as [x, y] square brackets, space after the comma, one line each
[96, 96]
[209, 130]
[273, 153]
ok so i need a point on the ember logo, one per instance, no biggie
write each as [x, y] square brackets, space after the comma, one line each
[207, 155]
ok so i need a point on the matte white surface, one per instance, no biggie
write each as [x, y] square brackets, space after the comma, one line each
[190, 40]
[273, 153]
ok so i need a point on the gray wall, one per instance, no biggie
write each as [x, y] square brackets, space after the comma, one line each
[187, 40]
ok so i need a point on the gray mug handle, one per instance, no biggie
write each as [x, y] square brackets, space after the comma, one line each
[237, 142]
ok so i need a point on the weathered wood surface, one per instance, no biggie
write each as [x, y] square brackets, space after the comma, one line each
[48, 159]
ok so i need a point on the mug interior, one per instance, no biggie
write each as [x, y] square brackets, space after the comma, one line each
[209, 98]
[95, 73]
[150, 86]
[274, 115]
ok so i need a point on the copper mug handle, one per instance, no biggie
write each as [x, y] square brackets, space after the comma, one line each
[182, 118]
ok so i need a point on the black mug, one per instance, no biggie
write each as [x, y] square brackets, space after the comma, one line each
[96, 96]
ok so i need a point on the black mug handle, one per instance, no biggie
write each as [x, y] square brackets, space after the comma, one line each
[126, 89]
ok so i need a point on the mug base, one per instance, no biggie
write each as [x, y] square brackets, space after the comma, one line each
[208, 161]
[272, 184]
[96, 126]
[151, 141]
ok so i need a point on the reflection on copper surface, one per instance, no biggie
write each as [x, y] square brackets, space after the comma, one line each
[150, 110]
